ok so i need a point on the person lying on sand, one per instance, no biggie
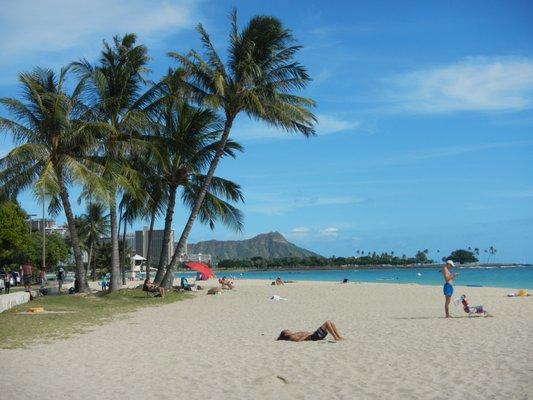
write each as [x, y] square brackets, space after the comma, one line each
[319, 334]
[279, 281]
[151, 288]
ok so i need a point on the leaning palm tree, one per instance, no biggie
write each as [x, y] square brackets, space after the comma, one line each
[258, 79]
[53, 143]
[187, 140]
[115, 89]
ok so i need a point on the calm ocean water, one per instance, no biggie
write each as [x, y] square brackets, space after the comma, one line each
[516, 277]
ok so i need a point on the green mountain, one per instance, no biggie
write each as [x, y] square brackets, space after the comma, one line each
[266, 245]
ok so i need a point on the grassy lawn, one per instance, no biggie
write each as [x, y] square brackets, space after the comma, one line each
[75, 315]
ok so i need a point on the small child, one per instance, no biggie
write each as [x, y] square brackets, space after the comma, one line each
[470, 309]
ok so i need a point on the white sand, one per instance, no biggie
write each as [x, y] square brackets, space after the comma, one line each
[223, 347]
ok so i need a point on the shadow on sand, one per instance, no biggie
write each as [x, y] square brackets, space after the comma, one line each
[462, 316]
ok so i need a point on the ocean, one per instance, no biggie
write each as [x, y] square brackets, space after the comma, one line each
[514, 277]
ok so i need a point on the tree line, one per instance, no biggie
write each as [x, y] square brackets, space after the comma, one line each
[136, 146]
[370, 259]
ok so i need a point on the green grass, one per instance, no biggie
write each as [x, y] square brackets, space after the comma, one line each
[77, 314]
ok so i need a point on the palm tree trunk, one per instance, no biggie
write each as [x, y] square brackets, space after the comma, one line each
[149, 250]
[81, 278]
[90, 255]
[166, 235]
[93, 272]
[180, 247]
[115, 267]
[123, 259]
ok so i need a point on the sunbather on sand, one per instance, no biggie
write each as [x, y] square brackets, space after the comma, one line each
[151, 288]
[319, 334]
[226, 283]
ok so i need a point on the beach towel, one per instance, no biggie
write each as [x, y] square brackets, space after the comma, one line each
[277, 298]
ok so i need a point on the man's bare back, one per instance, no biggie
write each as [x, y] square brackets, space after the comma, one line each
[448, 276]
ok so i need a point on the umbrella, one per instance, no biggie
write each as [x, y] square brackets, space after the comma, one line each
[202, 268]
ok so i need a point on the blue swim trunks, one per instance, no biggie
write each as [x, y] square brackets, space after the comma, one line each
[447, 289]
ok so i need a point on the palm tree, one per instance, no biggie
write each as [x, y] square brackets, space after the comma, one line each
[187, 141]
[151, 208]
[492, 252]
[53, 145]
[257, 79]
[115, 87]
[128, 211]
[94, 225]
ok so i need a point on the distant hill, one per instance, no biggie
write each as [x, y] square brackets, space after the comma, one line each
[266, 245]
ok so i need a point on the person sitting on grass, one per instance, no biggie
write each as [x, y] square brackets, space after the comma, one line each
[151, 288]
[319, 334]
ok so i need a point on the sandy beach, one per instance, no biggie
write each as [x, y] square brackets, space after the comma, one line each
[398, 345]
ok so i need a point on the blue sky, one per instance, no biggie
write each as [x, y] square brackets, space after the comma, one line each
[425, 135]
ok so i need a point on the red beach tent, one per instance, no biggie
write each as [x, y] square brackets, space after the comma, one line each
[202, 268]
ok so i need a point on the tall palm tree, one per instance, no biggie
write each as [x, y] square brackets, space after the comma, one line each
[94, 225]
[53, 143]
[150, 206]
[492, 253]
[115, 87]
[258, 79]
[187, 141]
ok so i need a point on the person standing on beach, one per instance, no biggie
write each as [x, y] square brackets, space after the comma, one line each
[7, 282]
[448, 285]
[27, 270]
[60, 279]
[42, 275]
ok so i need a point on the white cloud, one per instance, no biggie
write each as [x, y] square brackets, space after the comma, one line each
[328, 124]
[334, 232]
[57, 31]
[301, 230]
[473, 84]
[428, 154]
[246, 129]
[279, 204]
[316, 233]
[334, 200]
[520, 194]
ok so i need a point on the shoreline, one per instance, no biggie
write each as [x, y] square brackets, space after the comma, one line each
[370, 267]
[268, 282]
